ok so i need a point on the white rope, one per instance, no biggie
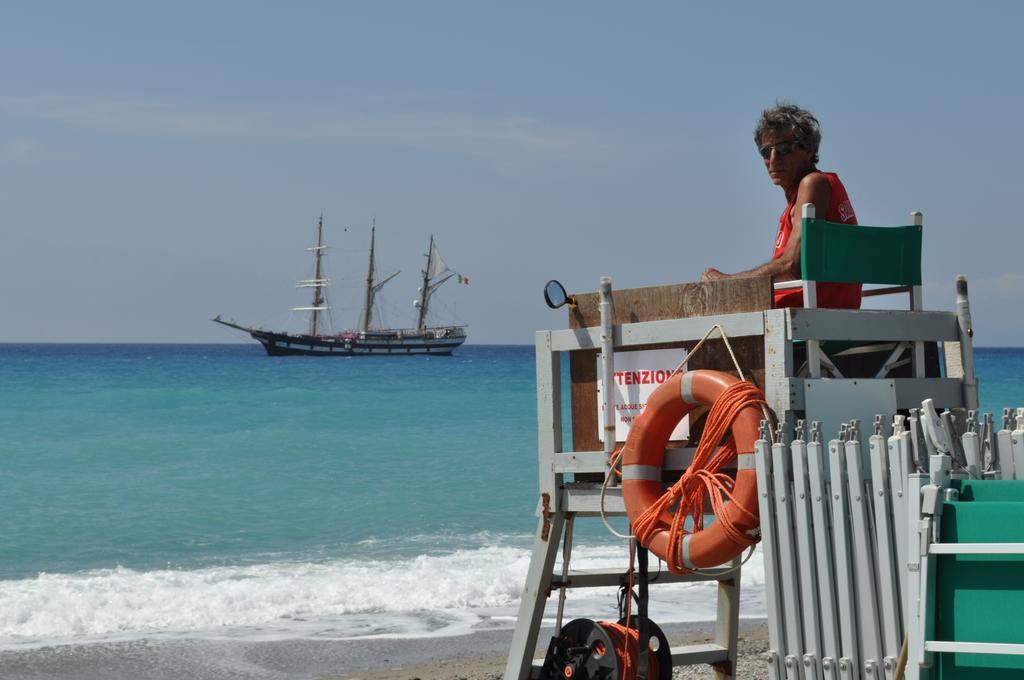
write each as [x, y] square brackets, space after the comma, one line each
[604, 489]
[700, 343]
[732, 355]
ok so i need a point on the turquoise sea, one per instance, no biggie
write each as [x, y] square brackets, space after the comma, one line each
[210, 491]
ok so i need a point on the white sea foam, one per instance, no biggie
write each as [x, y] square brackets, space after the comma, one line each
[424, 595]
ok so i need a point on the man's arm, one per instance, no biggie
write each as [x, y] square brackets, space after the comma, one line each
[814, 188]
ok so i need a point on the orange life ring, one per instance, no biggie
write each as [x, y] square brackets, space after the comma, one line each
[643, 456]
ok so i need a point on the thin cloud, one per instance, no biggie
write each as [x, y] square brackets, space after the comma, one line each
[1007, 283]
[17, 149]
[1001, 288]
[999, 284]
[484, 135]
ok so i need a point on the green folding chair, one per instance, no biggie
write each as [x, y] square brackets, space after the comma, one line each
[844, 253]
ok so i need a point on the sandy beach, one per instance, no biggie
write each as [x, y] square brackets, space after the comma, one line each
[478, 656]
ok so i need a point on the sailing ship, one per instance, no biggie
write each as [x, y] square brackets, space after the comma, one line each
[367, 340]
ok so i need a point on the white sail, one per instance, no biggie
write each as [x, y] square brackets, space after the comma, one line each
[437, 265]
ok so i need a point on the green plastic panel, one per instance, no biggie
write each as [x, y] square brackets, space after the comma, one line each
[991, 490]
[980, 598]
[845, 253]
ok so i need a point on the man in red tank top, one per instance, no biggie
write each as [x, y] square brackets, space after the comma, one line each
[788, 138]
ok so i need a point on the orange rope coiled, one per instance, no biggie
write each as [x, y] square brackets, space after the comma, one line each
[627, 650]
[704, 476]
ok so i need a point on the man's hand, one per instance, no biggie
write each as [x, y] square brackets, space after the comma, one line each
[710, 274]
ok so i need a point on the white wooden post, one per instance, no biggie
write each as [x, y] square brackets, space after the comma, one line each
[727, 621]
[607, 363]
[551, 519]
[963, 315]
[917, 304]
[810, 302]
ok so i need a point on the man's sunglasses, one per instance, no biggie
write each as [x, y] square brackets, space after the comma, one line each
[782, 148]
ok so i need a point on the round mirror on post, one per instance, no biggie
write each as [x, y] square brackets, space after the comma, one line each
[555, 295]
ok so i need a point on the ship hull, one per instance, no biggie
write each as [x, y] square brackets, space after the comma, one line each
[439, 342]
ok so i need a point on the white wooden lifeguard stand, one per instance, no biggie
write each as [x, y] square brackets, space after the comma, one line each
[566, 478]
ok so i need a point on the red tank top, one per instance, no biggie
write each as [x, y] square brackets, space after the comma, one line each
[834, 295]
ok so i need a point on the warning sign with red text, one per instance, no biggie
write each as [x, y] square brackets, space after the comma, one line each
[636, 376]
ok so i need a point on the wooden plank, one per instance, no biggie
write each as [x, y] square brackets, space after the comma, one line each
[676, 301]
[632, 335]
[683, 300]
[872, 325]
[946, 392]
[583, 462]
[735, 326]
[595, 578]
[549, 410]
[695, 655]
[586, 502]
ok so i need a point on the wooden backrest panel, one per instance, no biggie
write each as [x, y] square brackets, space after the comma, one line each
[676, 301]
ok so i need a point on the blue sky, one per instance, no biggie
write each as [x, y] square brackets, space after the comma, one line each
[161, 163]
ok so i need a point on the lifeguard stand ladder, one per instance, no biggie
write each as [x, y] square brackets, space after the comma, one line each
[767, 338]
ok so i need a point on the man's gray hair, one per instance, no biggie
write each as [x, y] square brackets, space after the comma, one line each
[790, 118]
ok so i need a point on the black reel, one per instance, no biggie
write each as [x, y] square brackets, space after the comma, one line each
[583, 650]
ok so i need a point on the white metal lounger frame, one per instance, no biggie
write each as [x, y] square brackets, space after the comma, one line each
[931, 490]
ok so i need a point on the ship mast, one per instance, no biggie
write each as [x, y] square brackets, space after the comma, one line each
[318, 290]
[371, 287]
[428, 288]
[368, 310]
[318, 283]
